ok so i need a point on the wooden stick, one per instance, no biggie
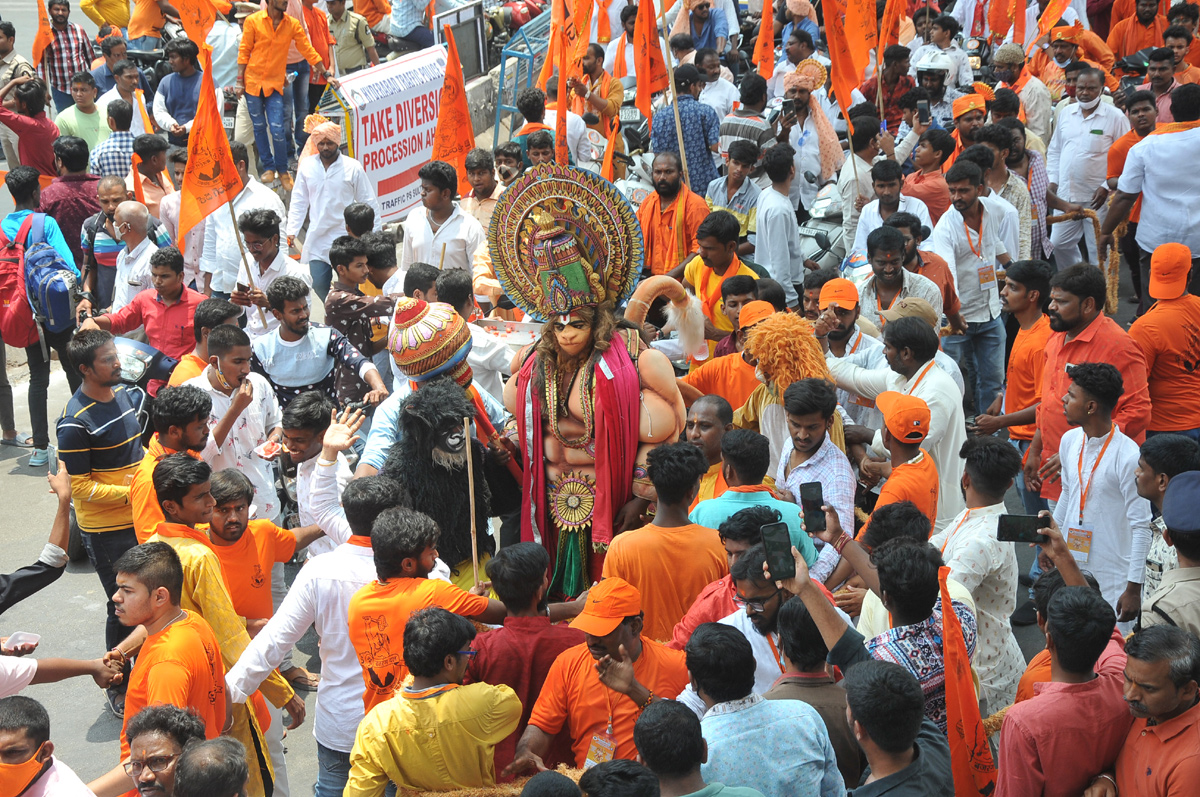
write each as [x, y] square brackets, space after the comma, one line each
[662, 21]
[471, 487]
[241, 248]
[442, 261]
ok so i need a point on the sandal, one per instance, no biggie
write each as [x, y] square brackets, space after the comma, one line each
[21, 440]
[301, 679]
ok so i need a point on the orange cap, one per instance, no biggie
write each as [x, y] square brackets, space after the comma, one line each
[906, 417]
[608, 603]
[1169, 268]
[840, 290]
[753, 312]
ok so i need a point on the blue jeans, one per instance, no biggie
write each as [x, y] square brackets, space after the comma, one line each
[267, 112]
[333, 772]
[322, 276]
[146, 43]
[62, 100]
[420, 36]
[983, 349]
[105, 548]
[295, 97]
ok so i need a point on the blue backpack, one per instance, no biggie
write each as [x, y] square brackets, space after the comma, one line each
[50, 283]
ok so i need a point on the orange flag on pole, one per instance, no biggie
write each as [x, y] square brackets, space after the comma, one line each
[210, 178]
[1018, 15]
[138, 192]
[999, 18]
[44, 36]
[970, 757]
[889, 30]
[1048, 19]
[764, 48]
[563, 33]
[454, 137]
[841, 72]
[860, 35]
[648, 58]
[581, 20]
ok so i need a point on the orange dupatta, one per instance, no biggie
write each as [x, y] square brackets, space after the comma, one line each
[970, 757]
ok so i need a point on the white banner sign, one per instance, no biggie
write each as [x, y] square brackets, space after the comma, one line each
[394, 111]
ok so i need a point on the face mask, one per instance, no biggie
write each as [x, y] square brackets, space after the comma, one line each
[15, 778]
[1088, 106]
[1061, 64]
[759, 375]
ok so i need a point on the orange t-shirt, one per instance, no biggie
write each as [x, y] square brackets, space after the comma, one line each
[189, 367]
[930, 189]
[247, 566]
[1025, 365]
[1036, 672]
[1117, 154]
[146, 20]
[373, 10]
[187, 672]
[1128, 36]
[935, 268]
[1192, 73]
[663, 250]
[670, 567]
[378, 613]
[916, 481]
[1167, 336]
[573, 696]
[730, 377]
[143, 500]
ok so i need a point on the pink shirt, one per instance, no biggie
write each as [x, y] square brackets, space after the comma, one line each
[58, 781]
[15, 674]
[1055, 743]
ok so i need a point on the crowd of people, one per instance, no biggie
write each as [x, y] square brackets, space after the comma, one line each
[733, 523]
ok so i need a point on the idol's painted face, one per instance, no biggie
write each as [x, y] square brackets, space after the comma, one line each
[573, 334]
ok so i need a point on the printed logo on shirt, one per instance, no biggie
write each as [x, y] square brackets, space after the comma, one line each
[378, 657]
[257, 581]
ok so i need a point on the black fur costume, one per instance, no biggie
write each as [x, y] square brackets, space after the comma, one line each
[436, 489]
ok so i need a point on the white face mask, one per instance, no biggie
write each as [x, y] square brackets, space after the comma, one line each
[759, 375]
[1089, 106]
[1061, 64]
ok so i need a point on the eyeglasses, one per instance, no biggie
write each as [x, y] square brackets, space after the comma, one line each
[758, 606]
[156, 764]
[258, 247]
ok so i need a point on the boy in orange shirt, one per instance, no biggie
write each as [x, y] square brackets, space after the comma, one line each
[914, 475]
[671, 560]
[1025, 294]
[405, 545]
[180, 417]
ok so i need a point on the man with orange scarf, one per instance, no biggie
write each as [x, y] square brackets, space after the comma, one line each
[717, 242]
[1144, 29]
[809, 132]
[600, 94]
[1170, 195]
[670, 218]
[1066, 43]
[970, 114]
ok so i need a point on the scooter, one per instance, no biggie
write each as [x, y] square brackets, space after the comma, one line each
[821, 236]
[979, 56]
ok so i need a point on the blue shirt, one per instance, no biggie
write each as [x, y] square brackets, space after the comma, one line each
[701, 130]
[51, 234]
[385, 423]
[105, 81]
[779, 747]
[181, 94]
[715, 511]
[715, 27]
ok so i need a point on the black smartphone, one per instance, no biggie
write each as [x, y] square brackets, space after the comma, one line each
[788, 108]
[923, 115]
[811, 503]
[778, 544]
[1022, 528]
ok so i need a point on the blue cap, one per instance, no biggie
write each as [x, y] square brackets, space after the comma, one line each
[1181, 504]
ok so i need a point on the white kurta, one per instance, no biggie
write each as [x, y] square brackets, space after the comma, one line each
[459, 237]
[322, 194]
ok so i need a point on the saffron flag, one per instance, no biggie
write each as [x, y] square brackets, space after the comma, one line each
[889, 30]
[565, 48]
[970, 757]
[764, 48]
[861, 32]
[138, 193]
[648, 59]
[454, 136]
[1048, 19]
[843, 75]
[606, 167]
[999, 18]
[581, 20]
[210, 178]
[44, 36]
[1018, 15]
[563, 32]
[198, 16]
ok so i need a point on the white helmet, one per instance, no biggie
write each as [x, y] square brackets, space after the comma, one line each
[935, 62]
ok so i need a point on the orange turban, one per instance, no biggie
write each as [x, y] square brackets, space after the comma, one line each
[969, 102]
[1066, 33]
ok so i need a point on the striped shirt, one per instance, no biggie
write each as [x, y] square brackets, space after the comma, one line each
[743, 204]
[750, 125]
[100, 445]
[69, 52]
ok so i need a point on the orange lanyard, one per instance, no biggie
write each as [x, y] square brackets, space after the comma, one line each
[950, 536]
[977, 252]
[880, 308]
[1087, 488]
[858, 341]
[916, 384]
[775, 651]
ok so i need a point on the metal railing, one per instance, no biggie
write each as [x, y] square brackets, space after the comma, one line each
[520, 60]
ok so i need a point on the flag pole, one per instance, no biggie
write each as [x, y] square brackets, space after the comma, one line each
[471, 488]
[662, 21]
[241, 248]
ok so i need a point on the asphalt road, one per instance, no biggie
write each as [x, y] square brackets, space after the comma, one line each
[69, 615]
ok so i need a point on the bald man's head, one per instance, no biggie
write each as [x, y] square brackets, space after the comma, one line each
[131, 220]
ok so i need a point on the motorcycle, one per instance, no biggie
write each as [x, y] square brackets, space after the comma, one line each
[1131, 70]
[979, 56]
[821, 236]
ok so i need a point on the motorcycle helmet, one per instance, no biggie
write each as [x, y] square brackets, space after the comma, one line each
[935, 62]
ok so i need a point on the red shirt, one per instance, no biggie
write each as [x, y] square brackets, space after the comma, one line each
[519, 655]
[71, 200]
[1057, 742]
[35, 140]
[714, 602]
[1102, 341]
[168, 328]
